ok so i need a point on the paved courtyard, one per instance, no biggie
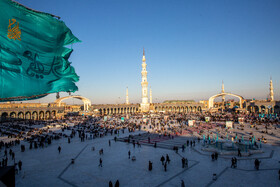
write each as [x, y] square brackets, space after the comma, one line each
[46, 167]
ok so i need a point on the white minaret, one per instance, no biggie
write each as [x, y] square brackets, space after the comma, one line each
[127, 99]
[271, 94]
[223, 91]
[145, 103]
[151, 98]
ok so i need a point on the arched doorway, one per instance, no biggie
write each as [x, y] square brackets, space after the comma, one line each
[211, 99]
[86, 101]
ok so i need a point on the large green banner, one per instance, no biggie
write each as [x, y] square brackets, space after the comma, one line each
[33, 59]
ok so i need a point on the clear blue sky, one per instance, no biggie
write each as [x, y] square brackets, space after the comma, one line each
[191, 46]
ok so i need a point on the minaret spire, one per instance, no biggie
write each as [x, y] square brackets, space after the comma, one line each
[271, 91]
[127, 99]
[151, 97]
[223, 87]
[145, 100]
[223, 91]
[143, 59]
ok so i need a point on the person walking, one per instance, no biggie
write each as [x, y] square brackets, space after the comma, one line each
[150, 165]
[59, 149]
[239, 152]
[167, 159]
[232, 162]
[182, 183]
[19, 165]
[165, 166]
[100, 162]
[110, 184]
[162, 159]
[183, 162]
[235, 162]
[129, 154]
[216, 156]
[109, 143]
[213, 156]
[257, 164]
[117, 184]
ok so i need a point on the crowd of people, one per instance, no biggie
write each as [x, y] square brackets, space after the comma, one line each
[41, 134]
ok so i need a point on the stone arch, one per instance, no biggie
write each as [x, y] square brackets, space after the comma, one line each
[182, 109]
[194, 109]
[263, 109]
[86, 101]
[41, 115]
[4, 115]
[21, 115]
[13, 115]
[34, 115]
[53, 114]
[27, 115]
[211, 99]
[256, 109]
[48, 114]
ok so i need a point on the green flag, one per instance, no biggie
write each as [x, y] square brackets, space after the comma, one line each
[33, 59]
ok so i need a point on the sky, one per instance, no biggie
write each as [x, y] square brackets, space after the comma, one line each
[191, 46]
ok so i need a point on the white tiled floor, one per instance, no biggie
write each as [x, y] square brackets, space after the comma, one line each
[42, 167]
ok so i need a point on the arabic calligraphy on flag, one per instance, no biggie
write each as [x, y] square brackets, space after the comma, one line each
[33, 58]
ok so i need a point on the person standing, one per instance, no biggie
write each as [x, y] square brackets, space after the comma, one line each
[109, 143]
[100, 162]
[150, 165]
[165, 166]
[232, 162]
[129, 154]
[216, 156]
[110, 184]
[19, 165]
[117, 184]
[167, 158]
[257, 164]
[59, 149]
[239, 152]
[183, 162]
[162, 159]
[182, 183]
